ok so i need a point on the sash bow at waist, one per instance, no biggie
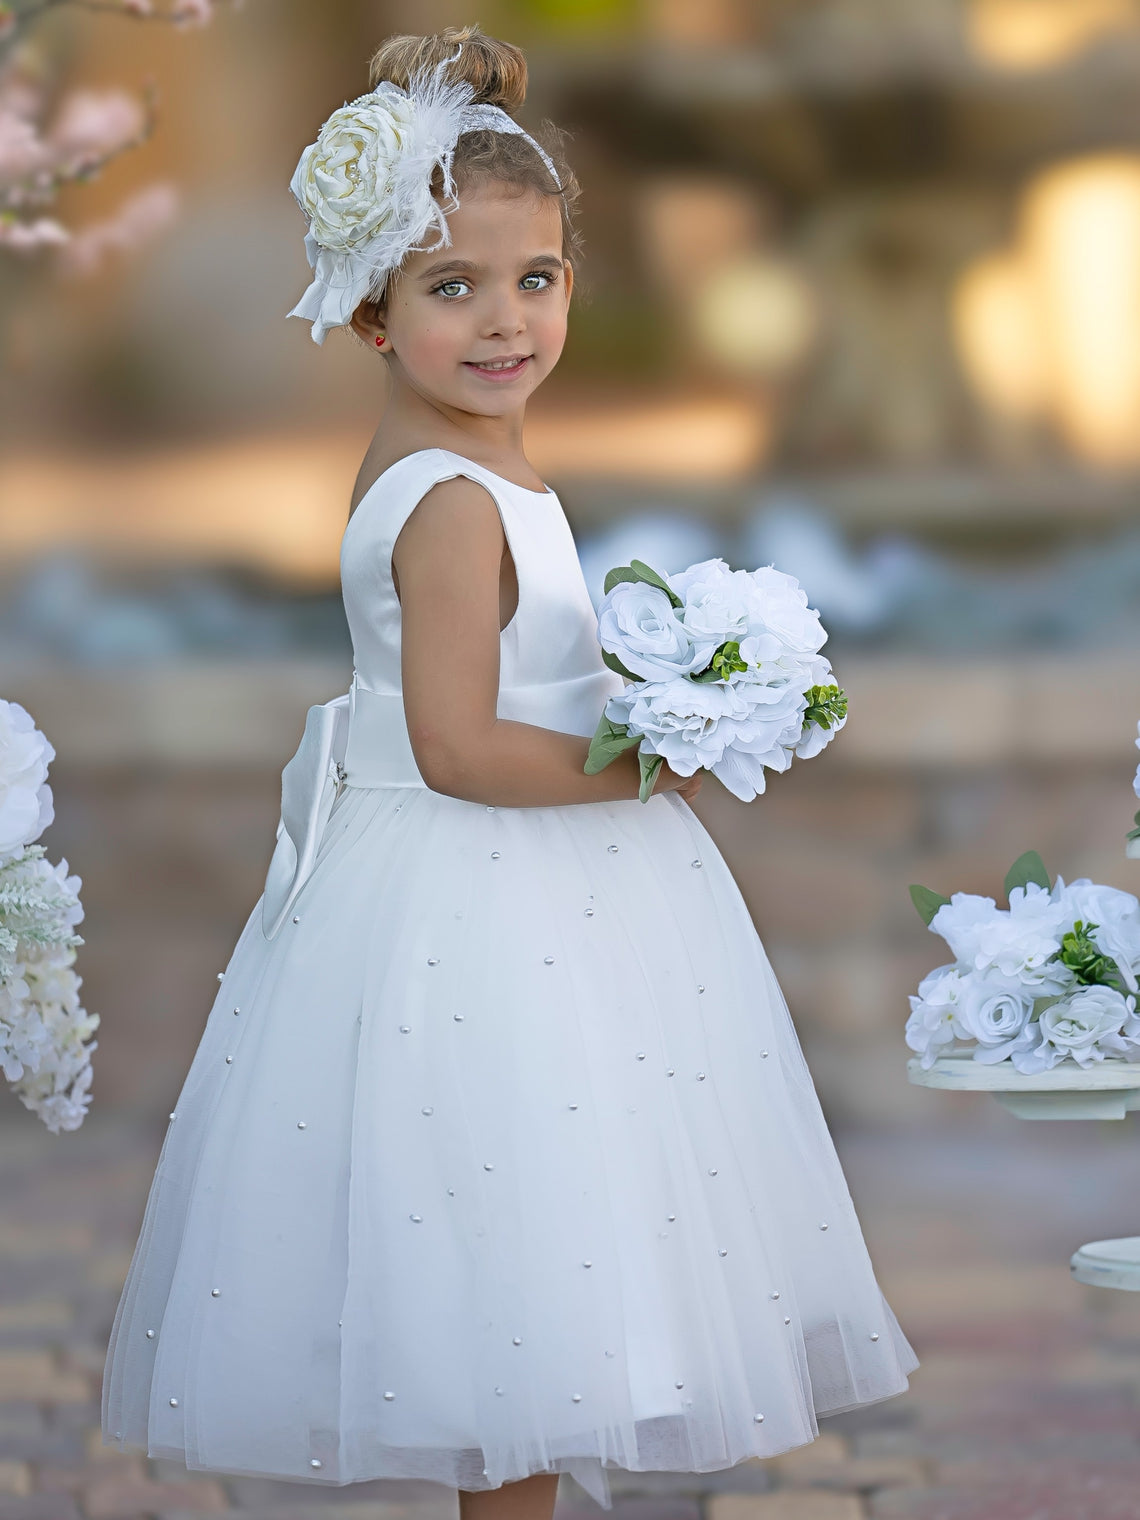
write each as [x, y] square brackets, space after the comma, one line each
[361, 739]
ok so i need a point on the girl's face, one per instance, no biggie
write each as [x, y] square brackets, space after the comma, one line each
[500, 292]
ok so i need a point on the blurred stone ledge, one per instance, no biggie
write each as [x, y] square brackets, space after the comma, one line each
[905, 712]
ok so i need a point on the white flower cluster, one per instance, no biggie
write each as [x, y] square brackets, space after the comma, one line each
[1051, 978]
[724, 669]
[1136, 778]
[43, 1027]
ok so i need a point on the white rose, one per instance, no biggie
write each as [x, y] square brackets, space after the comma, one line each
[638, 623]
[1089, 1023]
[26, 806]
[992, 1015]
[343, 181]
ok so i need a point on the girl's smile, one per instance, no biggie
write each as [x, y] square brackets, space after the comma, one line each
[499, 371]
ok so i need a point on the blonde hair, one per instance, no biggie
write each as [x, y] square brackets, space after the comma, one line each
[497, 72]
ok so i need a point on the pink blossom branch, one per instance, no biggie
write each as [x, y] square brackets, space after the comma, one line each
[140, 218]
[92, 130]
[180, 12]
[27, 237]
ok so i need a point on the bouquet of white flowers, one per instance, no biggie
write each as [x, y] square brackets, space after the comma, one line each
[43, 1027]
[724, 674]
[1051, 978]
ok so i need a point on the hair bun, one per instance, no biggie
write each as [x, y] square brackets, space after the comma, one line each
[495, 70]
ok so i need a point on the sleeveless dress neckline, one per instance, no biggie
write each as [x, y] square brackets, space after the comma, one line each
[435, 449]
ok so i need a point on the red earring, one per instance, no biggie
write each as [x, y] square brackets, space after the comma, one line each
[380, 340]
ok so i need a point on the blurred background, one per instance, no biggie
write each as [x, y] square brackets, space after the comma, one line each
[861, 297]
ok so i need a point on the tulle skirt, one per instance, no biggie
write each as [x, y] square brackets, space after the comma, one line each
[503, 1157]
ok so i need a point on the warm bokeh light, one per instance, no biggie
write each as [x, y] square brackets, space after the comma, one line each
[998, 336]
[755, 316]
[1037, 34]
[280, 506]
[1052, 327]
[690, 224]
[1082, 240]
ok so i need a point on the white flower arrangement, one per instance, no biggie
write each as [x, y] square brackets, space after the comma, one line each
[1051, 978]
[43, 1027]
[724, 674]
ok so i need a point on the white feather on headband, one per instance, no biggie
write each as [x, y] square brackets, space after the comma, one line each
[365, 187]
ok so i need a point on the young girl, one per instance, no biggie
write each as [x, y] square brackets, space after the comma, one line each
[499, 1156]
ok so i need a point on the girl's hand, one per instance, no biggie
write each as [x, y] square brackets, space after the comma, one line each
[685, 786]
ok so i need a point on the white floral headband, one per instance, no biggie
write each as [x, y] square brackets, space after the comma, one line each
[365, 186]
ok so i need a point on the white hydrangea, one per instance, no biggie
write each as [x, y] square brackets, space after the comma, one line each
[45, 1051]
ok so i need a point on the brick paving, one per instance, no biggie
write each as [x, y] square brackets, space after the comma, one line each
[1026, 1406]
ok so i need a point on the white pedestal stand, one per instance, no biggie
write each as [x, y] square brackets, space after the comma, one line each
[1108, 1090]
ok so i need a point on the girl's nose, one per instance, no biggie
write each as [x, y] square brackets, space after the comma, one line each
[505, 317]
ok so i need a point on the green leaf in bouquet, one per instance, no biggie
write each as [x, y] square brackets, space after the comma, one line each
[1087, 961]
[615, 664]
[1134, 833]
[609, 741]
[725, 660]
[927, 902]
[825, 705]
[644, 572]
[650, 765]
[1026, 868]
[615, 578]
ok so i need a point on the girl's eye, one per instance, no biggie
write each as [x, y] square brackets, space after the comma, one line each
[450, 288]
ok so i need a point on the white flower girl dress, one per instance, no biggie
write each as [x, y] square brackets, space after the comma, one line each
[499, 1152]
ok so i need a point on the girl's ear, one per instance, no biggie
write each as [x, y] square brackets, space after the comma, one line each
[568, 277]
[367, 322]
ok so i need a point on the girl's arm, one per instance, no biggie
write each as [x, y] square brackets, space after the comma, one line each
[447, 560]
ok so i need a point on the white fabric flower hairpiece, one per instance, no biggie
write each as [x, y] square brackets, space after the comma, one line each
[365, 186]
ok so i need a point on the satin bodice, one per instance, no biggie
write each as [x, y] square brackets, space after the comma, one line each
[551, 671]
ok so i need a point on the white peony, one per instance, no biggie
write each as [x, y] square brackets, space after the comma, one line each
[1136, 778]
[985, 937]
[1116, 915]
[732, 728]
[1088, 1025]
[715, 607]
[638, 623]
[782, 608]
[26, 806]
